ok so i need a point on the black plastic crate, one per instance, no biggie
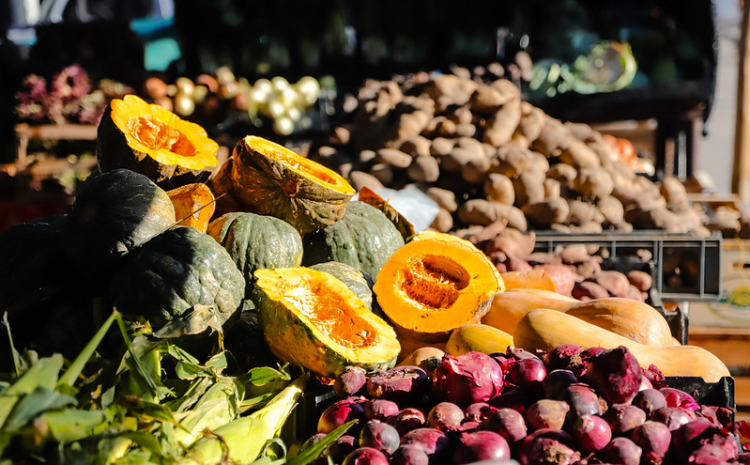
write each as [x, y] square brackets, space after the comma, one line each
[699, 259]
[719, 394]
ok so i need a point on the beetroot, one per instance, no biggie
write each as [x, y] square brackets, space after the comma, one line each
[410, 455]
[506, 422]
[591, 432]
[402, 384]
[407, 419]
[620, 451]
[478, 411]
[430, 440]
[654, 439]
[340, 413]
[678, 398]
[380, 436]
[615, 374]
[527, 373]
[623, 418]
[366, 456]
[565, 357]
[481, 445]
[445, 416]
[673, 417]
[547, 414]
[649, 400]
[380, 409]
[701, 442]
[350, 382]
[468, 378]
[582, 401]
[342, 447]
[546, 446]
[556, 384]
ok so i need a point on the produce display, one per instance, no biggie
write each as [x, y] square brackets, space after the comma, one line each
[486, 156]
[221, 322]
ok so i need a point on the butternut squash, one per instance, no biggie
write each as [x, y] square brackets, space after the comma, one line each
[545, 329]
[510, 306]
[635, 320]
[536, 278]
[478, 337]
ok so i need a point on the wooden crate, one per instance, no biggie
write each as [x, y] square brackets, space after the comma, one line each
[732, 346]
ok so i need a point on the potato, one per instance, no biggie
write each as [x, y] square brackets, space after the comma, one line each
[483, 212]
[444, 198]
[529, 188]
[383, 172]
[640, 279]
[511, 162]
[564, 277]
[531, 123]
[441, 146]
[546, 212]
[587, 290]
[443, 221]
[593, 183]
[449, 89]
[587, 227]
[487, 99]
[674, 192]
[465, 130]
[499, 188]
[475, 170]
[552, 188]
[635, 294]
[360, 179]
[459, 156]
[553, 138]
[615, 282]
[489, 232]
[460, 115]
[500, 127]
[407, 126]
[607, 155]
[580, 212]
[367, 156]
[563, 173]
[394, 157]
[424, 169]
[507, 88]
[583, 131]
[588, 269]
[416, 146]
[655, 218]
[579, 155]
[512, 241]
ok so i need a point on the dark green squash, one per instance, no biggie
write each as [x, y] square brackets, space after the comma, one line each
[358, 282]
[363, 239]
[114, 213]
[175, 271]
[257, 241]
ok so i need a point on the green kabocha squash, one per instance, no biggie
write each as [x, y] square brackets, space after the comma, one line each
[358, 282]
[269, 179]
[363, 239]
[175, 271]
[113, 214]
[151, 140]
[257, 241]
[312, 319]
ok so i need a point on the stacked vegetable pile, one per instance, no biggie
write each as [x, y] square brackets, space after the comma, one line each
[567, 406]
[486, 156]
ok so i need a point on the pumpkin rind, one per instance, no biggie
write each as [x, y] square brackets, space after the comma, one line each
[269, 179]
[355, 280]
[175, 271]
[363, 239]
[435, 284]
[311, 319]
[151, 140]
[194, 205]
[256, 241]
[114, 213]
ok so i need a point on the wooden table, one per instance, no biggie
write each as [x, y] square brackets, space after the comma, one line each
[26, 132]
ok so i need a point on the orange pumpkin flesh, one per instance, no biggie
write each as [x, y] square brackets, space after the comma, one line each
[194, 205]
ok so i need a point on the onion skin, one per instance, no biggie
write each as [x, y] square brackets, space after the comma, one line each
[565, 357]
[678, 398]
[701, 442]
[401, 384]
[341, 448]
[467, 379]
[616, 375]
[547, 414]
[350, 382]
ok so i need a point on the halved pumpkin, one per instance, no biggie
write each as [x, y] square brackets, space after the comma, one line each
[151, 140]
[270, 179]
[435, 284]
[312, 319]
[194, 205]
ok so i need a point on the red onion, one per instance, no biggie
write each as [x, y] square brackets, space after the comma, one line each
[649, 400]
[407, 420]
[402, 384]
[673, 417]
[654, 439]
[380, 436]
[366, 456]
[468, 378]
[620, 451]
[548, 447]
[678, 398]
[445, 416]
[591, 432]
[342, 447]
[339, 413]
[564, 357]
[582, 401]
[506, 422]
[430, 440]
[623, 418]
[547, 414]
[350, 382]
[556, 384]
[701, 442]
[478, 411]
[527, 373]
[410, 455]
[380, 409]
[481, 445]
[615, 374]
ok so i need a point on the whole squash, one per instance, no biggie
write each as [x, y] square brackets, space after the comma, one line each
[114, 213]
[175, 271]
[151, 140]
[269, 179]
[311, 319]
[363, 239]
[257, 241]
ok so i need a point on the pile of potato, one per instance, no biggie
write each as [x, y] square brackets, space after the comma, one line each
[485, 156]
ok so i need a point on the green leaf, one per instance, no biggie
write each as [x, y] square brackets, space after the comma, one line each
[35, 403]
[314, 451]
[75, 369]
[44, 373]
[263, 375]
[73, 424]
[145, 378]
[191, 395]
[148, 411]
